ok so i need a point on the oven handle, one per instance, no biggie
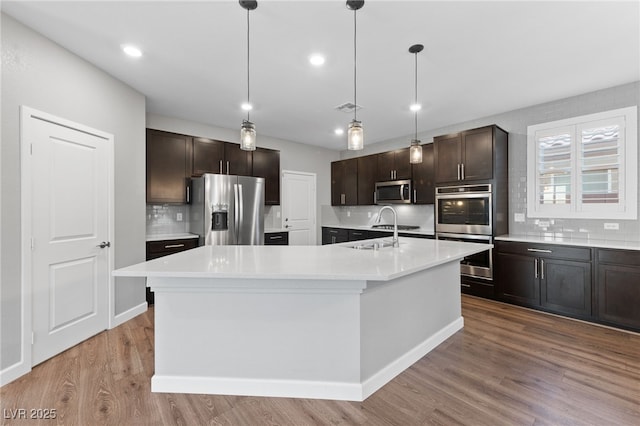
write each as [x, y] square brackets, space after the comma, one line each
[465, 236]
[464, 195]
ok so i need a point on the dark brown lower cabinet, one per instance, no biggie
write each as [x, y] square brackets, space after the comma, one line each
[276, 238]
[553, 278]
[156, 249]
[334, 235]
[618, 295]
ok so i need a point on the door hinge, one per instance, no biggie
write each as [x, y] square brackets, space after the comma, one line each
[33, 338]
[31, 148]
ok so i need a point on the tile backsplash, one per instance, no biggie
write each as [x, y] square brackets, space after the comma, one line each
[167, 219]
[420, 215]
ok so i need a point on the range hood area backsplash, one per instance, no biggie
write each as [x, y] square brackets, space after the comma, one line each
[420, 215]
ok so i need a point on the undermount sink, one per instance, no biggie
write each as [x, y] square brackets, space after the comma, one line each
[371, 245]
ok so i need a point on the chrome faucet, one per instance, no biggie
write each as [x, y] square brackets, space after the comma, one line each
[395, 224]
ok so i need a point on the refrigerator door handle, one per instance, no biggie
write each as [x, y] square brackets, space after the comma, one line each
[236, 212]
[240, 210]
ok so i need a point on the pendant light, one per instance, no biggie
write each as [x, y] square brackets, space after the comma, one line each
[415, 151]
[355, 134]
[248, 129]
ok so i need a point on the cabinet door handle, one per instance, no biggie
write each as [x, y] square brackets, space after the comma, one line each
[228, 167]
[465, 285]
[220, 166]
[374, 197]
[539, 250]
[173, 246]
[458, 171]
[276, 237]
[188, 195]
[542, 269]
[415, 195]
[462, 172]
[343, 198]
[535, 267]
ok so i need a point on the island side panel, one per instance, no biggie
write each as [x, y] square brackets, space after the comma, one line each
[404, 319]
[263, 341]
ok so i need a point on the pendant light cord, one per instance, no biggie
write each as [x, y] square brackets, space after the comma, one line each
[355, 99]
[416, 99]
[248, 68]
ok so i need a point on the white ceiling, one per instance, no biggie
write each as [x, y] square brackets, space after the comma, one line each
[480, 58]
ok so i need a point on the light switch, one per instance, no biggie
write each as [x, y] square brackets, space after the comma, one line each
[518, 217]
[179, 217]
[612, 226]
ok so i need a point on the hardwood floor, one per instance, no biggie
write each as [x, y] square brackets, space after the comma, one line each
[508, 366]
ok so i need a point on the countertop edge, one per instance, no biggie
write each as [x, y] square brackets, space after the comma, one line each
[577, 242]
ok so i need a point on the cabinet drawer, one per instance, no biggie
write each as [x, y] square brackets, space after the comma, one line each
[276, 239]
[621, 257]
[356, 235]
[545, 250]
[171, 246]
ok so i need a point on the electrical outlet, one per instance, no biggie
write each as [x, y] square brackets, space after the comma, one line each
[518, 217]
[277, 215]
[612, 226]
[543, 224]
[369, 215]
[348, 214]
[179, 217]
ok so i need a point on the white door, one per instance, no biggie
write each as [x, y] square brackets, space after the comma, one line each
[299, 207]
[70, 219]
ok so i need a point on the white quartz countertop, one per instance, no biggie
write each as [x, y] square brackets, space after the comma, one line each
[580, 242]
[328, 262]
[162, 237]
[272, 230]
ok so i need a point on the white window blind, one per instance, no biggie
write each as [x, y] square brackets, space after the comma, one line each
[584, 167]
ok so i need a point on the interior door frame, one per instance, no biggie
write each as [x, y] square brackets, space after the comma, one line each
[314, 227]
[26, 205]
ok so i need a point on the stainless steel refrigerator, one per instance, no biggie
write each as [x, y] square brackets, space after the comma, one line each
[227, 210]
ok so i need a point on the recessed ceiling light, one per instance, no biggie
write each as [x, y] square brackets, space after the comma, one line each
[415, 107]
[339, 131]
[316, 60]
[131, 50]
[246, 106]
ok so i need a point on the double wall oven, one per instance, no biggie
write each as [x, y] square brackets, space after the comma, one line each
[464, 213]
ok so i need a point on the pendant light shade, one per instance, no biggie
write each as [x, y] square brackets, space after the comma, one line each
[355, 134]
[415, 151]
[248, 136]
[248, 129]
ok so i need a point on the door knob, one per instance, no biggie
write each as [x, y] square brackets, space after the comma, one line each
[104, 244]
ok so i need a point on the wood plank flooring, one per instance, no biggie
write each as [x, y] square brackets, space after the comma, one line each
[508, 366]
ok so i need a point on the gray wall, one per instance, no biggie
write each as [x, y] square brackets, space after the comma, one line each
[40, 74]
[293, 156]
[516, 122]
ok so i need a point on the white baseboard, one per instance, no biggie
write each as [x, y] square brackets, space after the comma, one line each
[386, 374]
[128, 314]
[257, 387]
[14, 371]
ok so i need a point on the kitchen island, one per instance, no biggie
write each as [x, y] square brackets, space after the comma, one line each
[329, 322]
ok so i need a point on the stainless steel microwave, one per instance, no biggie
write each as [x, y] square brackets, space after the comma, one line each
[393, 192]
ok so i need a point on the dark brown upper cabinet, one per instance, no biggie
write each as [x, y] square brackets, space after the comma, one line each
[423, 177]
[367, 175]
[168, 161]
[394, 165]
[465, 156]
[266, 164]
[208, 156]
[344, 182]
[212, 156]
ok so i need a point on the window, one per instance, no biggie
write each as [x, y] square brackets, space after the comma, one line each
[584, 167]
